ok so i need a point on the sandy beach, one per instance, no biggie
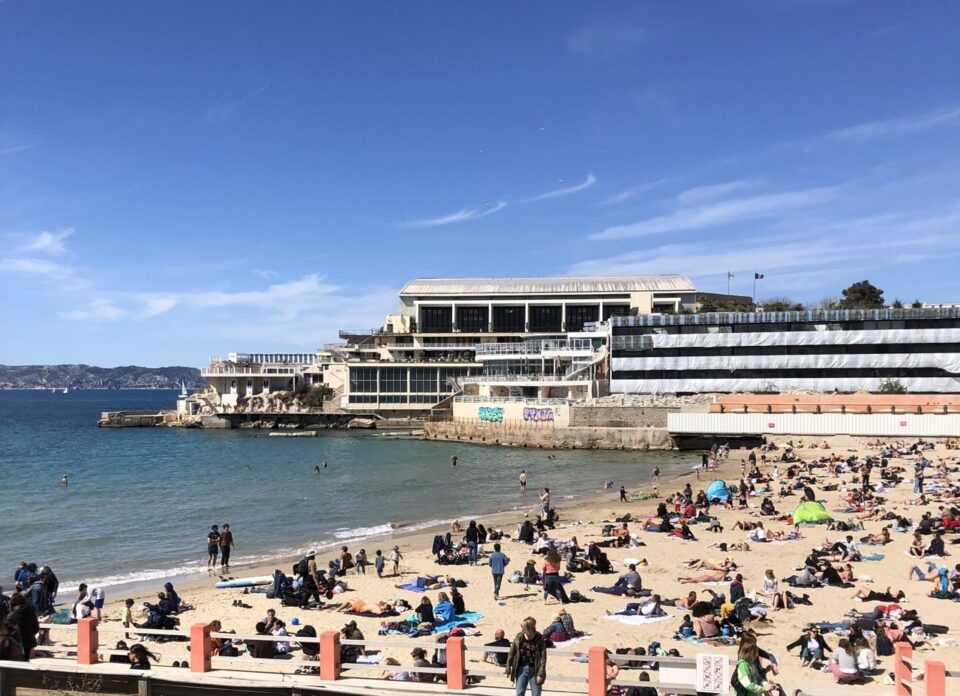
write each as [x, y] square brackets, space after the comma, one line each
[664, 558]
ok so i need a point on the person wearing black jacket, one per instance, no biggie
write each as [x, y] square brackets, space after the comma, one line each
[736, 589]
[472, 537]
[23, 615]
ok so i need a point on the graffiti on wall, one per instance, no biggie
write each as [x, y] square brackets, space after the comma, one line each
[491, 414]
[538, 414]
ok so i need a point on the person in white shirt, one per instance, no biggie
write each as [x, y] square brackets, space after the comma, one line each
[280, 629]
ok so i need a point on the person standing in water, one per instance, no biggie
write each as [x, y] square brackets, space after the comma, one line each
[453, 459]
[226, 543]
[316, 469]
[213, 546]
[523, 480]
[64, 480]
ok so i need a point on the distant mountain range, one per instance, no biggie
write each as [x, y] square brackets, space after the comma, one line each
[91, 377]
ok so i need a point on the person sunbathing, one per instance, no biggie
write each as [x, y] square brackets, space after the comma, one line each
[706, 564]
[360, 608]
[878, 539]
[711, 576]
[747, 525]
[865, 594]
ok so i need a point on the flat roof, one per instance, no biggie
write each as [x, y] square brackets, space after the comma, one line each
[547, 285]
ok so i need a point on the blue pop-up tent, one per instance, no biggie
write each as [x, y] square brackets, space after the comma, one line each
[718, 490]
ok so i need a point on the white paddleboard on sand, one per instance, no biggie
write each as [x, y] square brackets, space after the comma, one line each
[245, 582]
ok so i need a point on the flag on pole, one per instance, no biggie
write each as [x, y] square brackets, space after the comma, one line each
[758, 276]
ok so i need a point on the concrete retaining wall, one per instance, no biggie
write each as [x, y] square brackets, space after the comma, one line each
[620, 416]
[480, 432]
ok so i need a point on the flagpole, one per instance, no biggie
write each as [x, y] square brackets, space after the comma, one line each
[754, 298]
[728, 282]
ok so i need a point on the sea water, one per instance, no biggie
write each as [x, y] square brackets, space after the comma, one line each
[140, 501]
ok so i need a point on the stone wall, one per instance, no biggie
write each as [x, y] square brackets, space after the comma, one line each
[620, 416]
[548, 437]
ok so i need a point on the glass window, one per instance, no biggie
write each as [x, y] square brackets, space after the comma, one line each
[509, 319]
[436, 319]
[393, 398]
[423, 379]
[546, 318]
[472, 319]
[393, 379]
[578, 315]
[610, 310]
[363, 379]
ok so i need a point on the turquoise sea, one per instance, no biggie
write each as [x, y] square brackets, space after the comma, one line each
[141, 500]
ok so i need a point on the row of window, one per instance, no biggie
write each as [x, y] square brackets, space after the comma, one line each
[395, 399]
[789, 326]
[799, 373]
[514, 318]
[854, 349]
[395, 379]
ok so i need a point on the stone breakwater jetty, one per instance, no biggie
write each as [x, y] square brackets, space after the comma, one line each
[292, 422]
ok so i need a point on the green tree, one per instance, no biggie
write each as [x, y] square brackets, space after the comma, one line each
[862, 295]
[313, 397]
[891, 386]
[897, 304]
[781, 304]
[917, 304]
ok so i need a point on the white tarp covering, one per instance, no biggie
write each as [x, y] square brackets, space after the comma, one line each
[805, 338]
[819, 424]
[945, 361]
[933, 385]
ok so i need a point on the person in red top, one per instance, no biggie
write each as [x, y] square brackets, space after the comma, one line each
[552, 586]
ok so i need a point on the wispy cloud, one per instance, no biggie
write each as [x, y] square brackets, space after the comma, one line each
[224, 111]
[720, 213]
[157, 304]
[946, 118]
[638, 190]
[462, 215]
[565, 190]
[99, 309]
[702, 194]
[35, 267]
[606, 41]
[13, 149]
[48, 242]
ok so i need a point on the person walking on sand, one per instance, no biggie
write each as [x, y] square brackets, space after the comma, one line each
[527, 659]
[395, 558]
[523, 480]
[226, 544]
[545, 501]
[655, 474]
[213, 546]
[623, 494]
[498, 564]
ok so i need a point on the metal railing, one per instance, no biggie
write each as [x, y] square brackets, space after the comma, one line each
[510, 400]
[813, 315]
[495, 378]
[632, 343]
[536, 346]
[268, 371]
[326, 663]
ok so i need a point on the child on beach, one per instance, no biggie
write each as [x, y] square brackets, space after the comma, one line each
[126, 615]
[361, 561]
[378, 563]
[395, 558]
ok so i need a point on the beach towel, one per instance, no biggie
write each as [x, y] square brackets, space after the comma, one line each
[468, 617]
[719, 640]
[413, 587]
[369, 659]
[637, 620]
[562, 645]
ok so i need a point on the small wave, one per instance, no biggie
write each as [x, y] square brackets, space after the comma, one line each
[364, 532]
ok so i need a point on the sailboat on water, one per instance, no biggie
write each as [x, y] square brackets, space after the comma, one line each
[66, 390]
[183, 390]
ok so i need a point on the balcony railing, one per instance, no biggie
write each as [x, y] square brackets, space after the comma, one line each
[632, 342]
[269, 371]
[808, 316]
[535, 347]
[496, 379]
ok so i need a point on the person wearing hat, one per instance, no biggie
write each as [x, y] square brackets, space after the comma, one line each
[350, 653]
[419, 656]
[527, 659]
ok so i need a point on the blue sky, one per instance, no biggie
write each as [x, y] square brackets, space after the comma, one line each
[182, 179]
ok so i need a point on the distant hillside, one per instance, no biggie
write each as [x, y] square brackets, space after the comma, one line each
[90, 377]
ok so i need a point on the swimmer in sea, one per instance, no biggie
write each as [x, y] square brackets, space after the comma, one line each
[316, 469]
[64, 480]
[453, 460]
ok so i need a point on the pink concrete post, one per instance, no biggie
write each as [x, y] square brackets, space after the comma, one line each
[902, 672]
[936, 678]
[456, 663]
[597, 671]
[201, 647]
[88, 641]
[330, 655]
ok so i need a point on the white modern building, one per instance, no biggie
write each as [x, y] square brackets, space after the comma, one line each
[821, 351]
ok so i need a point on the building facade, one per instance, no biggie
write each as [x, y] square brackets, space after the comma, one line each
[824, 351]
